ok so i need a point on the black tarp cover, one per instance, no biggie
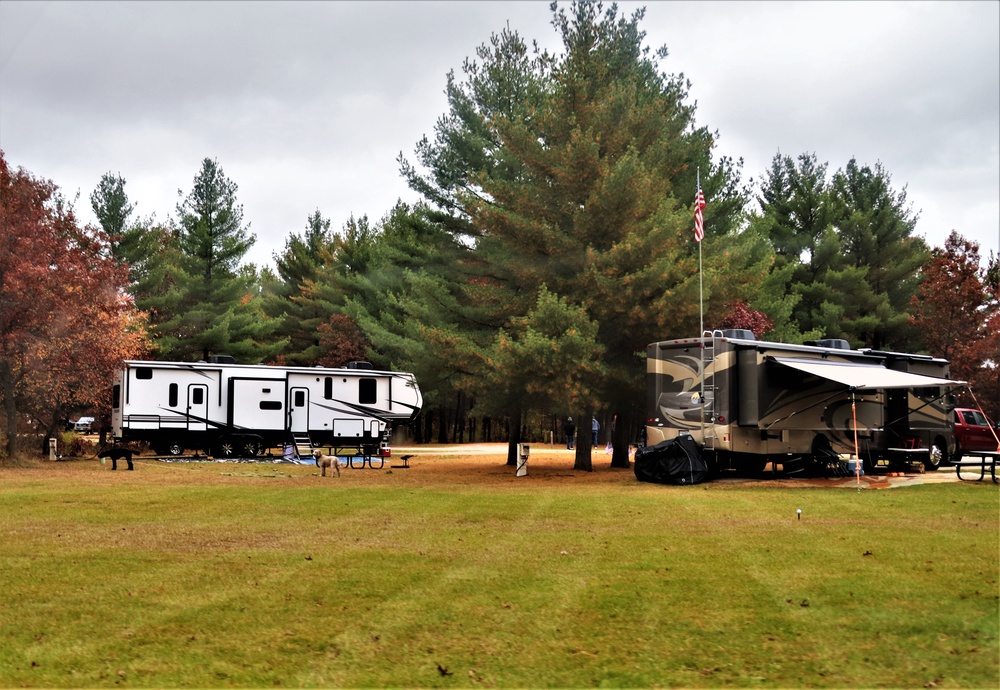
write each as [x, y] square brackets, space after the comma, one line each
[677, 461]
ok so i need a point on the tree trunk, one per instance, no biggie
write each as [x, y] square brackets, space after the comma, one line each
[428, 425]
[514, 436]
[459, 431]
[584, 443]
[619, 439]
[442, 424]
[9, 405]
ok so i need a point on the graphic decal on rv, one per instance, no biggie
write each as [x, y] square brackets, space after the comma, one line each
[680, 404]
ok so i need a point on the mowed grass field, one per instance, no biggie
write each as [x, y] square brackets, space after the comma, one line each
[456, 573]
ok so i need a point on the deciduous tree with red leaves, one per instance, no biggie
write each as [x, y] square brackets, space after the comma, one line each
[742, 316]
[341, 341]
[956, 310]
[66, 322]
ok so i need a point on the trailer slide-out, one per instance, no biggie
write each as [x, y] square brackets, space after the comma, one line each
[747, 402]
[226, 409]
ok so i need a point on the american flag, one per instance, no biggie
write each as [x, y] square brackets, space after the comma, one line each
[699, 220]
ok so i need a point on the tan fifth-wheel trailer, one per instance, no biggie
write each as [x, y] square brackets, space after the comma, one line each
[747, 402]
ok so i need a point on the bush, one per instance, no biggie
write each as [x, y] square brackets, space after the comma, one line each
[75, 445]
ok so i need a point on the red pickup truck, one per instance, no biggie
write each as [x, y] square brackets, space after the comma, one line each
[973, 431]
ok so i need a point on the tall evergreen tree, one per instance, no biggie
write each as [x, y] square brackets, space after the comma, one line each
[573, 176]
[600, 213]
[883, 258]
[795, 214]
[299, 320]
[113, 209]
[846, 263]
[215, 305]
[135, 242]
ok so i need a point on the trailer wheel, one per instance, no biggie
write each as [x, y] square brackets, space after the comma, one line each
[226, 449]
[250, 448]
[174, 448]
[937, 456]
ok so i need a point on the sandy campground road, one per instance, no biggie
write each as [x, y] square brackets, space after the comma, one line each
[482, 464]
[546, 458]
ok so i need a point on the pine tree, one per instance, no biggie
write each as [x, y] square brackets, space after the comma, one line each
[846, 263]
[298, 266]
[214, 305]
[594, 216]
[575, 175]
[876, 230]
[113, 209]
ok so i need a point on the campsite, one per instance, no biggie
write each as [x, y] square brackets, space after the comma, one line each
[456, 572]
[600, 395]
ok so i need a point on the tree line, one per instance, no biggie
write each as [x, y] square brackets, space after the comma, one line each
[553, 241]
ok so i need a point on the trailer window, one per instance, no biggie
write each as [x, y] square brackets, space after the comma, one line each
[270, 404]
[116, 396]
[172, 402]
[300, 398]
[197, 396]
[367, 394]
[143, 372]
[328, 388]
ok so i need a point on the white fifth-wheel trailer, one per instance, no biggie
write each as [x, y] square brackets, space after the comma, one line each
[232, 410]
[747, 402]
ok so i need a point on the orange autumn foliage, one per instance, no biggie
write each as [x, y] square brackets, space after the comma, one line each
[66, 322]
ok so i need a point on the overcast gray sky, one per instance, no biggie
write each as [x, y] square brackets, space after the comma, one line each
[307, 105]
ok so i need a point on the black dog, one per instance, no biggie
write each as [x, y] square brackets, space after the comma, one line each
[115, 454]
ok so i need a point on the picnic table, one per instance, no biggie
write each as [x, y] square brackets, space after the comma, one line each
[978, 459]
[365, 460]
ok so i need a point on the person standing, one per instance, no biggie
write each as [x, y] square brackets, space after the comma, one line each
[569, 431]
[595, 427]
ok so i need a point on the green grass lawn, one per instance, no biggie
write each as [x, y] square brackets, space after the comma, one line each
[208, 575]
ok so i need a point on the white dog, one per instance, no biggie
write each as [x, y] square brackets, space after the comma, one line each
[324, 461]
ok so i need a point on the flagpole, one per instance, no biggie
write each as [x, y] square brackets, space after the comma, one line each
[701, 317]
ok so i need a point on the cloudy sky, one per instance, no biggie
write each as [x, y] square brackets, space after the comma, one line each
[307, 105]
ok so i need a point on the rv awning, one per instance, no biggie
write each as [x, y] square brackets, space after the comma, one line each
[863, 376]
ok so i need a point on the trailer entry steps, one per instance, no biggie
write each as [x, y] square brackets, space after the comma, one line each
[303, 445]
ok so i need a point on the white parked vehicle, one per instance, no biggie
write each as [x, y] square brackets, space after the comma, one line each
[232, 410]
[83, 425]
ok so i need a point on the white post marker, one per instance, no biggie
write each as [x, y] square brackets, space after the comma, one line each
[522, 459]
[799, 513]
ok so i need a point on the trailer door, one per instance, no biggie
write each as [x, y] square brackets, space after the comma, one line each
[298, 410]
[197, 407]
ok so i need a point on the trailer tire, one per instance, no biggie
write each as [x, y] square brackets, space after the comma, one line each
[225, 448]
[937, 456]
[172, 448]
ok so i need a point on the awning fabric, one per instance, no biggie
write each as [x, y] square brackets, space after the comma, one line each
[863, 376]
